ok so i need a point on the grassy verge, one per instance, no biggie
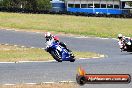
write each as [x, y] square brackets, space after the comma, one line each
[12, 53]
[88, 26]
[56, 85]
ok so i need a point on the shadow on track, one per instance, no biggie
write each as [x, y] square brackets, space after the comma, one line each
[127, 53]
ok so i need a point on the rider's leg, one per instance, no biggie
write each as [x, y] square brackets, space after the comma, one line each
[64, 45]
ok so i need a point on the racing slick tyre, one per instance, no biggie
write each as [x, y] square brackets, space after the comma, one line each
[55, 56]
[73, 59]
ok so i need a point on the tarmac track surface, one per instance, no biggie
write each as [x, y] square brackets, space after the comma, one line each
[116, 62]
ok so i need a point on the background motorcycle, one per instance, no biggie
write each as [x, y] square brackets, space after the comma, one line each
[127, 45]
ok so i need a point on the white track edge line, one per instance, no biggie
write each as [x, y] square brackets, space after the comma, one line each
[70, 36]
[9, 84]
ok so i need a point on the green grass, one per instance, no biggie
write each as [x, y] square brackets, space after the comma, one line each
[88, 26]
[12, 53]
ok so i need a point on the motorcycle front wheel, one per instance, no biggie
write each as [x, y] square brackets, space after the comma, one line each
[55, 56]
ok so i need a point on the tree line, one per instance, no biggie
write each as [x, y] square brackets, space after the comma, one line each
[26, 4]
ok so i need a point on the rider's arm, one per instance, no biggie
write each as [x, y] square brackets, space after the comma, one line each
[48, 43]
[62, 44]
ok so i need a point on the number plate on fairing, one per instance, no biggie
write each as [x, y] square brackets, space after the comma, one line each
[59, 48]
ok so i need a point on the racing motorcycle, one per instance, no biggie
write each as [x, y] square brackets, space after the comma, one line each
[59, 53]
[127, 45]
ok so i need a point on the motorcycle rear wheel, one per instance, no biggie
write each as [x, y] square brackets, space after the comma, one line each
[73, 59]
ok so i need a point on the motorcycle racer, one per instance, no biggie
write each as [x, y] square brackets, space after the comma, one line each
[57, 49]
[121, 41]
[51, 38]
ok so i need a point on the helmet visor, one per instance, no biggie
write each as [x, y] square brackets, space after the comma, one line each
[119, 37]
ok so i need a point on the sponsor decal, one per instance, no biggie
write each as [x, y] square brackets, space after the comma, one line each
[83, 78]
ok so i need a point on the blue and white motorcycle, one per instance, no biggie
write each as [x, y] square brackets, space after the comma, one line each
[59, 53]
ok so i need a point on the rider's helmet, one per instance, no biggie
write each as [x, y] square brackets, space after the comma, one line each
[120, 36]
[48, 35]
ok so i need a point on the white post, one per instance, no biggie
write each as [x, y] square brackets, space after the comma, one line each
[87, 3]
[107, 6]
[67, 5]
[93, 7]
[80, 3]
[21, 6]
